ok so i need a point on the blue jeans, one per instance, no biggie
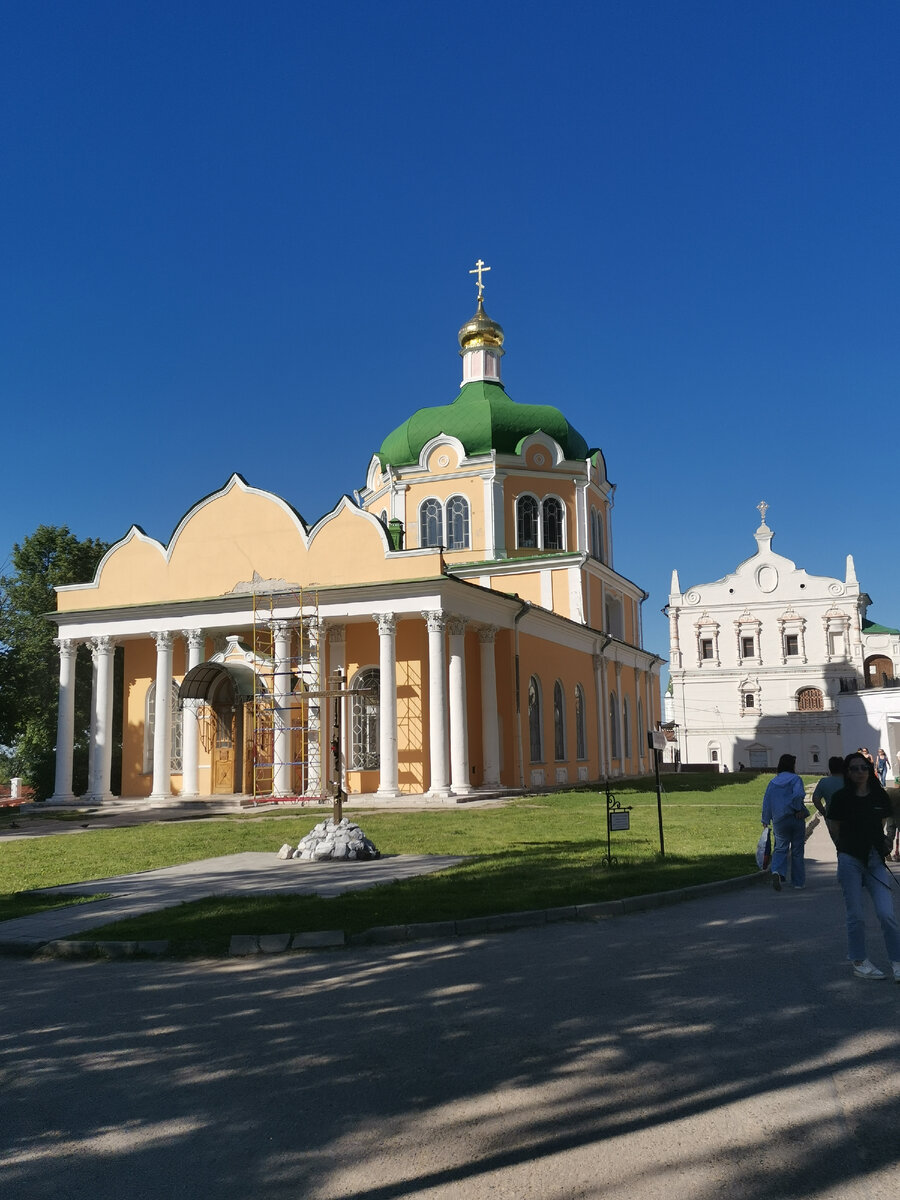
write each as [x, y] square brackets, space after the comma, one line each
[876, 879]
[790, 834]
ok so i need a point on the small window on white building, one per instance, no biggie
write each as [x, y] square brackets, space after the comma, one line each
[791, 645]
[836, 643]
[748, 647]
[706, 648]
[749, 700]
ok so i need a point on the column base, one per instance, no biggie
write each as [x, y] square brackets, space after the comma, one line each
[442, 793]
[66, 798]
[462, 789]
[162, 797]
[388, 793]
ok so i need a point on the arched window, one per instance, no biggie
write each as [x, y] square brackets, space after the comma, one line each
[552, 521]
[596, 535]
[365, 723]
[150, 726]
[559, 723]
[431, 523]
[749, 700]
[626, 722]
[457, 523]
[613, 725]
[580, 723]
[810, 700]
[535, 739]
[382, 517]
[527, 522]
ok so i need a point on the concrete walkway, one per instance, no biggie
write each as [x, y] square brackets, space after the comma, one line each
[253, 873]
[716, 1048]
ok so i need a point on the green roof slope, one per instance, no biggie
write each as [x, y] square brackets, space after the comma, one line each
[483, 418]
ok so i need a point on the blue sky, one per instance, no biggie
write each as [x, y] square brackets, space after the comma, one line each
[236, 237]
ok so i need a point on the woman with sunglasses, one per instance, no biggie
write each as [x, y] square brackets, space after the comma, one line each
[855, 818]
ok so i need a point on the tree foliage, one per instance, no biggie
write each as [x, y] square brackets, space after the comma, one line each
[29, 664]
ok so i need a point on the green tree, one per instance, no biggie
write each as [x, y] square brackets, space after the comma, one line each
[29, 665]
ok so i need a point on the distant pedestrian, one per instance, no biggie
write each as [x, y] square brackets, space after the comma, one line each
[881, 767]
[783, 806]
[856, 817]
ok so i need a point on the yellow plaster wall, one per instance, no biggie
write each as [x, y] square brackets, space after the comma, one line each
[527, 587]
[550, 662]
[231, 536]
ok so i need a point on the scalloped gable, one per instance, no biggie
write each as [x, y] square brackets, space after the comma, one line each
[230, 535]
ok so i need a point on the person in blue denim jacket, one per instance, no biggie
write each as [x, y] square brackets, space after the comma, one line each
[783, 806]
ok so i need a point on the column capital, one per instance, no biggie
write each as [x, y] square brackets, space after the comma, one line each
[195, 638]
[67, 647]
[456, 625]
[336, 633]
[435, 620]
[102, 645]
[487, 633]
[163, 638]
[387, 622]
[281, 629]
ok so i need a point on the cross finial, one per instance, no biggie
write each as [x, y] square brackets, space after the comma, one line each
[479, 269]
[763, 509]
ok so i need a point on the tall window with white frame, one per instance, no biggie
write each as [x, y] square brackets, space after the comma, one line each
[527, 513]
[552, 524]
[580, 723]
[535, 732]
[457, 523]
[365, 723]
[431, 523]
[559, 723]
[175, 716]
[613, 725]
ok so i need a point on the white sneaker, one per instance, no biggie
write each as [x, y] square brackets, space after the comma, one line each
[895, 967]
[868, 970]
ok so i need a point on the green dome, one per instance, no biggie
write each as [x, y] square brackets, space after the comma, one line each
[483, 418]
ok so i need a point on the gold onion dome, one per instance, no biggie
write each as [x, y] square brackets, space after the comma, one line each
[480, 330]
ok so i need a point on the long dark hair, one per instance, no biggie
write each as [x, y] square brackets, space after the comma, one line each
[874, 784]
[787, 762]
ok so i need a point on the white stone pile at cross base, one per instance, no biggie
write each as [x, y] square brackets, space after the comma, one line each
[342, 841]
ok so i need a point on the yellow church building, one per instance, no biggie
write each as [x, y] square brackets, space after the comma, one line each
[465, 603]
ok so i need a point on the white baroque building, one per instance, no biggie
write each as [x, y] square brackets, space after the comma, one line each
[772, 660]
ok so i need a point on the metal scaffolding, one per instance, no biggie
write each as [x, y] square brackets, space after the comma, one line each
[285, 742]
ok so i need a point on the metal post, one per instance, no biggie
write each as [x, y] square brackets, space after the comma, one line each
[662, 845]
[336, 722]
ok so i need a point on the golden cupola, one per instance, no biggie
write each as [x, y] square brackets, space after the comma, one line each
[481, 340]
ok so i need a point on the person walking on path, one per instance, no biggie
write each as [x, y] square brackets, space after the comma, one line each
[856, 817]
[881, 767]
[783, 806]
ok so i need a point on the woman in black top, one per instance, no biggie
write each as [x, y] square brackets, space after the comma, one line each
[855, 817]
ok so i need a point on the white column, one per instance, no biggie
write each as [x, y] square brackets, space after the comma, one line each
[387, 658]
[65, 721]
[490, 721]
[102, 651]
[190, 728]
[92, 733]
[460, 782]
[162, 719]
[437, 705]
[337, 661]
[602, 702]
[281, 714]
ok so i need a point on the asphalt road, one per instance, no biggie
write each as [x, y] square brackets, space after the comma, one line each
[719, 1047]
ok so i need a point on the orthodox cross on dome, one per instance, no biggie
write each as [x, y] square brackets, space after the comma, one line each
[479, 269]
[763, 509]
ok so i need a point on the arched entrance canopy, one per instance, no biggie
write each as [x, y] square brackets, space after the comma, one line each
[201, 681]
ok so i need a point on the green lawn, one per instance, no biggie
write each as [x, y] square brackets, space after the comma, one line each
[536, 852]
